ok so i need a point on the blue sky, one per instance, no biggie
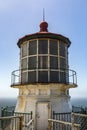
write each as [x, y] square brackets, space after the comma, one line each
[21, 17]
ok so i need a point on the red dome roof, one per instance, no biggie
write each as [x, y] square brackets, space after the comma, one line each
[43, 26]
[43, 33]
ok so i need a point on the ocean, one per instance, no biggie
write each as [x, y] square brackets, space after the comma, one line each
[7, 102]
[79, 102]
[12, 102]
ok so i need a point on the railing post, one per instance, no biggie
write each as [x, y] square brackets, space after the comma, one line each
[2, 115]
[20, 122]
[49, 125]
[53, 114]
[72, 120]
[31, 114]
[73, 123]
[33, 125]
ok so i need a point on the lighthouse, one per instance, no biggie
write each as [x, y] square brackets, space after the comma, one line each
[44, 77]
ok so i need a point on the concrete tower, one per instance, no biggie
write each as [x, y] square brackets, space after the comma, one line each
[44, 78]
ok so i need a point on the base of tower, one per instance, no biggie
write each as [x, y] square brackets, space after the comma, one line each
[42, 100]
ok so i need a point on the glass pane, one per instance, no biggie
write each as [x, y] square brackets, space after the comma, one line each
[63, 63]
[43, 76]
[42, 62]
[24, 49]
[54, 76]
[63, 77]
[53, 47]
[33, 47]
[24, 78]
[66, 57]
[43, 47]
[62, 49]
[53, 62]
[24, 63]
[32, 77]
[67, 76]
[32, 64]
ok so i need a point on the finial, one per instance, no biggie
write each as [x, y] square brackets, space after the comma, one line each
[43, 14]
[43, 24]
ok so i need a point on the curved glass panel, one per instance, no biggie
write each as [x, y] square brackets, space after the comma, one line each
[54, 76]
[24, 77]
[62, 63]
[32, 47]
[32, 62]
[24, 63]
[42, 62]
[24, 49]
[32, 76]
[62, 49]
[53, 47]
[43, 76]
[43, 47]
[53, 62]
[63, 77]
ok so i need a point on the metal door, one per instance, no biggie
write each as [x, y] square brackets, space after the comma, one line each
[42, 116]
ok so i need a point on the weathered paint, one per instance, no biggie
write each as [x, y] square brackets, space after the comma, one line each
[42, 100]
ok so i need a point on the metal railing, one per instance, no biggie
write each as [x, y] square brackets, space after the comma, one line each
[15, 123]
[62, 125]
[68, 121]
[26, 116]
[69, 77]
[62, 116]
[30, 125]
[9, 111]
[80, 119]
[78, 122]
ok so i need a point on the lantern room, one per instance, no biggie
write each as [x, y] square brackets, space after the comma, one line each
[44, 57]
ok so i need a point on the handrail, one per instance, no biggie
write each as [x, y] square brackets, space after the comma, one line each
[29, 113]
[78, 114]
[63, 122]
[70, 74]
[73, 125]
[17, 124]
[29, 123]
[9, 117]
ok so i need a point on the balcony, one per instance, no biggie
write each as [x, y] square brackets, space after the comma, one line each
[67, 77]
